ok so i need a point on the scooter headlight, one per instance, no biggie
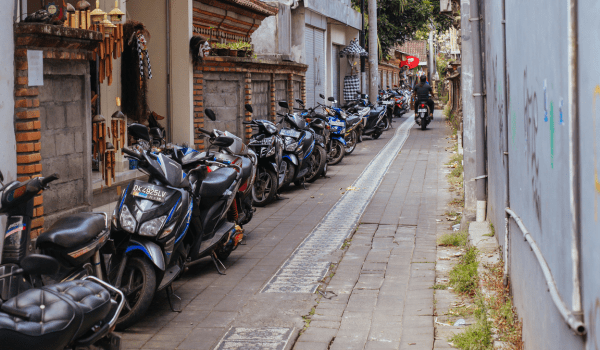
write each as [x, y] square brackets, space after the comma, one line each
[152, 227]
[290, 144]
[270, 152]
[127, 220]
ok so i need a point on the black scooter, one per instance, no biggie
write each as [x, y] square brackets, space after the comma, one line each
[151, 242]
[374, 125]
[268, 146]
[299, 142]
[75, 241]
[54, 316]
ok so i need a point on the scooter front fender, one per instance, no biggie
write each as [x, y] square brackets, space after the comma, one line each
[150, 249]
[339, 138]
[292, 158]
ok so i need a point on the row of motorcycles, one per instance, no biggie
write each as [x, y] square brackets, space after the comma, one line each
[95, 274]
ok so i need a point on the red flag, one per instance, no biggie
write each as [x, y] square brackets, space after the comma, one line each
[411, 62]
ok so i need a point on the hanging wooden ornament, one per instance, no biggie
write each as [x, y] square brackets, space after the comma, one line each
[118, 126]
[109, 164]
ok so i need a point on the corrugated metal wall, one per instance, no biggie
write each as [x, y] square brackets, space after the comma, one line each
[527, 116]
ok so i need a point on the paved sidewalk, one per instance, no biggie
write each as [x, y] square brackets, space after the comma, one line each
[380, 296]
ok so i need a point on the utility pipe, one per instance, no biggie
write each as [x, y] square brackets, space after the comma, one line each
[478, 94]
[506, 150]
[570, 317]
[574, 155]
[169, 119]
[373, 52]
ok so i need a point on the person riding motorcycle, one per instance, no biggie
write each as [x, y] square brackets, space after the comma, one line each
[422, 90]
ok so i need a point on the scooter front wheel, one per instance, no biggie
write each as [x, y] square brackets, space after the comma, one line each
[139, 285]
[318, 162]
[265, 187]
[351, 141]
[337, 153]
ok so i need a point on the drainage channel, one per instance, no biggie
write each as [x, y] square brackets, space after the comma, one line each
[309, 263]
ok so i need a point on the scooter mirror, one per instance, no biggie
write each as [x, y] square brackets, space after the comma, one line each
[40, 264]
[300, 102]
[1, 177]
[332, 99]
[260, 137]
[138, 131]
[248, 108]
[322, 96]
[210, 114]
[284, 104]
[223, 141]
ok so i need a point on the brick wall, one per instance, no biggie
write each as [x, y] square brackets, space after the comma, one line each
[53, 121]
[225, 84]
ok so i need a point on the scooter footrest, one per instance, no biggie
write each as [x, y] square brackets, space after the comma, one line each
[169, 276]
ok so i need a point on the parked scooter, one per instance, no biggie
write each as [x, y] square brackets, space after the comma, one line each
[299, 142]
[75, 241]
[68, 322]
[237, 154]
[268, 146]
[320, 126]
[374, 125]
[150, 225]
[354, 125]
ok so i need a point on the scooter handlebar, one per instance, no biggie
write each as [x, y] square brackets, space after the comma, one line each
[209, 133]
[49, 179]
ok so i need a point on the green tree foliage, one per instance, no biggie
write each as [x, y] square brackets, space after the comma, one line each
[402, 20]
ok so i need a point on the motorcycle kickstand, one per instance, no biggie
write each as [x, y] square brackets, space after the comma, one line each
[304, 183]
[217, 262]
[171, 294]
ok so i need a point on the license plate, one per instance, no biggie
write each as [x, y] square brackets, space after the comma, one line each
[337, 123]
[290, 133]
[422, 111]
[149, 193]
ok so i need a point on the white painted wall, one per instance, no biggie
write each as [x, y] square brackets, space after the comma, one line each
[8, 152]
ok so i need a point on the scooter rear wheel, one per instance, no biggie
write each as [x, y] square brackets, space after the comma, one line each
[376, 135]
[139, 285]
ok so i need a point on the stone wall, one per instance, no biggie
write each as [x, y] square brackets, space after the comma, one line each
[66, 123]
[224, 95]
[225, 84]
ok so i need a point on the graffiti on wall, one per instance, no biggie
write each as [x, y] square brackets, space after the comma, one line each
[530, 114]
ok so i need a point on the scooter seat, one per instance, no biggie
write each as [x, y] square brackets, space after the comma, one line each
[217, 182]
[90, 297]
[246, 168]
[54, 321]
[73, 230]
[353, 119]
[375, 112]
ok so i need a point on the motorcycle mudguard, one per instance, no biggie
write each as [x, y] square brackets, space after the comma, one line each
[275, 167]
[339, 138]
[292, 158]
[150, 249]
